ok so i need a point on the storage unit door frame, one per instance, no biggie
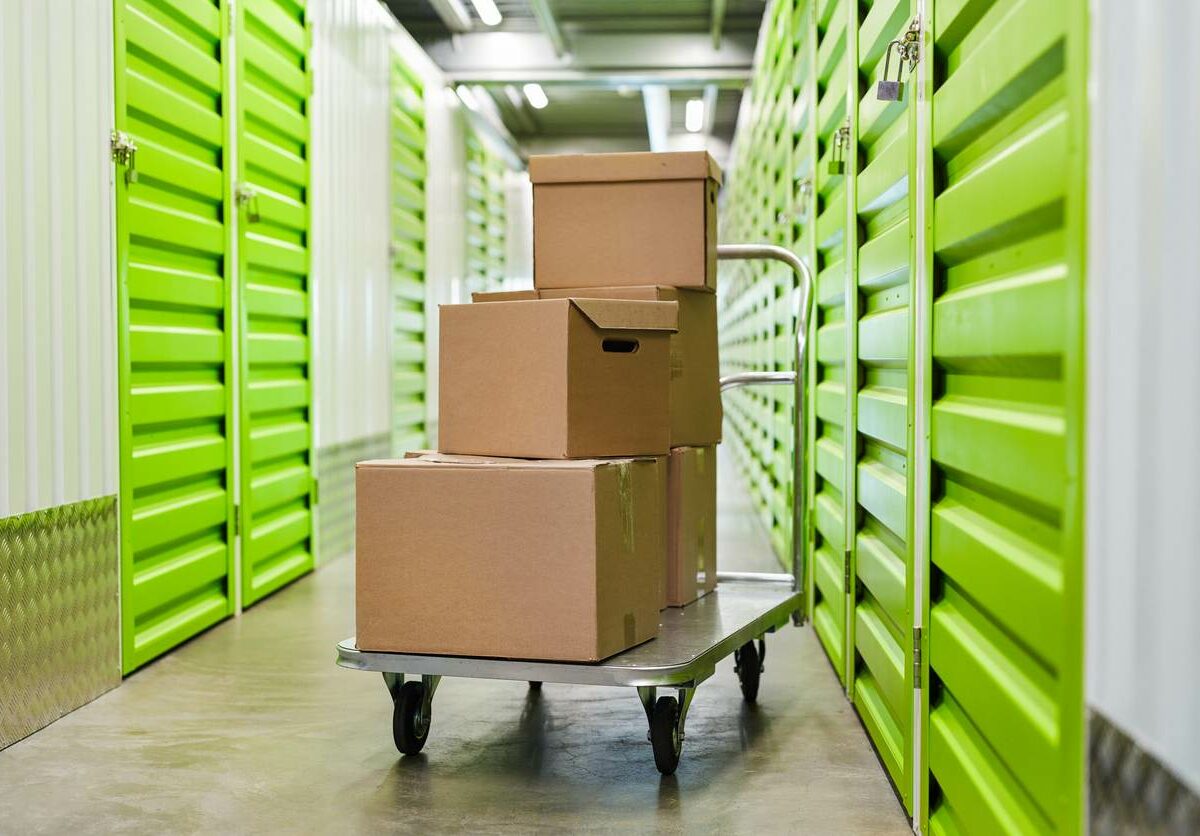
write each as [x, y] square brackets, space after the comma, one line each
[277, 500]
[175, 333]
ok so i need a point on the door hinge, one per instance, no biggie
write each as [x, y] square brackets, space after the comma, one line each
[123, 151]
[916, 657]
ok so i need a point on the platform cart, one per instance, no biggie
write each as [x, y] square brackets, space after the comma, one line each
[732, 620]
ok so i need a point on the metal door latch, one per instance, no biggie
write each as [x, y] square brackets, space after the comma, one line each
[908, 49]
[123, 151]
[248, 196]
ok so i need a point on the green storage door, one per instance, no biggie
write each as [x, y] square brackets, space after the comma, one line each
[276, 388]
[882, 555]
[408, 260]
[174, 342]
[1004, 630]
[828, 557]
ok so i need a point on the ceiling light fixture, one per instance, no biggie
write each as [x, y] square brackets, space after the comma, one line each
[487, 11]
[693, 115]
[536, 95]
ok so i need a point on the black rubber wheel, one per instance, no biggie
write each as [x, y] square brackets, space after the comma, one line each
[664, 734]
[748, 665]
[535, 685]
[410, 725]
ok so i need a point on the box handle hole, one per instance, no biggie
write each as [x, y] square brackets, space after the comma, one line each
[618, 346]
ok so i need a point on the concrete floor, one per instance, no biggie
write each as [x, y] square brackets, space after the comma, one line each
[252, 728]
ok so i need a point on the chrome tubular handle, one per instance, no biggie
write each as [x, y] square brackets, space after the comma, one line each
[803, 312]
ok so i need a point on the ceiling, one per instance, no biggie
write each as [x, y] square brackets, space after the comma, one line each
[595, 59]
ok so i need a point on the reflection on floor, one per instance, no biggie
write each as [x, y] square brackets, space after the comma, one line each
[252, 727]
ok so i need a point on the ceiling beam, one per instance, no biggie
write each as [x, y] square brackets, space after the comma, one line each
[607, 80]
[550, 28]
[528, 56]
[717, 22]
[453, 13]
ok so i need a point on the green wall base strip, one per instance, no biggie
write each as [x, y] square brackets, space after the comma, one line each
[335, 512]
[59, 623]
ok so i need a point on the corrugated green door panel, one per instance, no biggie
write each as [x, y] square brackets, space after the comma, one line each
[1005, 717]
[174, 340]
[882, 552]
[408, 260]
[828, 459]
[273, 87]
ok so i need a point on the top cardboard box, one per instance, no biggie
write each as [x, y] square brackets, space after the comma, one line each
[556, 378]
[601, 220]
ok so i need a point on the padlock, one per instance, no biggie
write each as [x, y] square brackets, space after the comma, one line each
[837, 167]
[888, 90]
[837, 158]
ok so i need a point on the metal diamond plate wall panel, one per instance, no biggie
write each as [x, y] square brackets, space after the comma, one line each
[881, 550]
[1007, 126]
[175, 343]
[276, 391]
[58, 379]
[335, 511]
[60, 631]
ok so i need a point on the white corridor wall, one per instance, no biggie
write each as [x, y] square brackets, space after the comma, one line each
[58, 428]
[351, 218]
[1143, 457]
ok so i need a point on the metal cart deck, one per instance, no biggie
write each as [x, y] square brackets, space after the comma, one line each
[732, 620]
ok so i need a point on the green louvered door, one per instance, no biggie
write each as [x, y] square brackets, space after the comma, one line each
[408, 260]
[174, 331]
[828, 541]
[882, 555]
[1004, 650]
[276, 387]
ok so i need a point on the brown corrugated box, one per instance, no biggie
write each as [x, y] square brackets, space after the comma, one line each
[518, 559]
[691, 564]
[556, 378]
[625, 219]
[695, 369]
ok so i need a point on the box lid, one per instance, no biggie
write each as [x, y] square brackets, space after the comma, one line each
[494, 462]
[595, 168]
[649, 292]
[629, 314]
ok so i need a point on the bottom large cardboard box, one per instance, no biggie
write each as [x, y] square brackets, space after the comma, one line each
[471, 556]
[691, 565]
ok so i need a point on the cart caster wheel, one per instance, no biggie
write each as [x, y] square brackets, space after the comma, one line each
[535, 685]
[748, 665]
[665, 736]
[410, 721]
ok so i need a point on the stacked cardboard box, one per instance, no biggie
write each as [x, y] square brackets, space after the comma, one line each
[574, 491]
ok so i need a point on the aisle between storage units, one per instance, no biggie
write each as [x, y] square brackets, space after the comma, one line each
[250, 727]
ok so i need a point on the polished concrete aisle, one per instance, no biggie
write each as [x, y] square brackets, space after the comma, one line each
[251, 727]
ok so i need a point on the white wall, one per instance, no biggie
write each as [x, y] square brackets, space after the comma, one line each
[58, 428]
[1143, 458]
[351, 218]
[445, 205]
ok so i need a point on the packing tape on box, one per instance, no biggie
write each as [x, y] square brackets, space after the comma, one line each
[625, 500]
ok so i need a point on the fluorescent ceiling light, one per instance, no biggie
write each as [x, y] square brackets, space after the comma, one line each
[514, 96]
[488, 12]
[693, 115]
[468, 98]
[536, 95]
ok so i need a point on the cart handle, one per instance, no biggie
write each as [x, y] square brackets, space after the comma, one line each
[796, 379]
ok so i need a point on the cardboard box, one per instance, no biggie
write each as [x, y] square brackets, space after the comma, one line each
[695, 367]
[691, 564]
[510, 558]
[625, 219]
[556, 378]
